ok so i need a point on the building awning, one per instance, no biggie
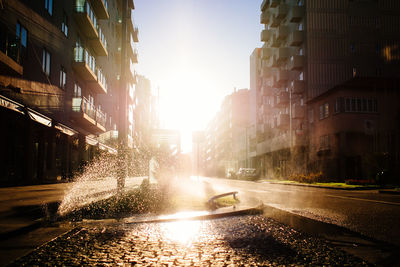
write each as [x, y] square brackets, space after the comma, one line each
[44, 120]
[64, 129]
[11, 104]
[108, 148]
[91, 141]
[40, 118]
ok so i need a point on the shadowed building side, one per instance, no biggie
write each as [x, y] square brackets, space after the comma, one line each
[59, 61]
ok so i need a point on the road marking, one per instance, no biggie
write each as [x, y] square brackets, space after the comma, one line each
[367, 200]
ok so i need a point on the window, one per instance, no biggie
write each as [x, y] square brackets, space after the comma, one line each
[324, 142]
[46, 59]
[22, 34]
[48, 5]
[63, 78]
[311, 115]
[77, 91]
[323, 111]
[339, 104]
[355, 73]
[64, 24]
[354, 104]
[326, 110]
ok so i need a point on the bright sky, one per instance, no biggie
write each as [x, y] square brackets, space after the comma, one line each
[196, 52]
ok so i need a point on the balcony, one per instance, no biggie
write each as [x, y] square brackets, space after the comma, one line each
[275, 42]
[100, 7]
[296, 38]
[296, 14]
[84, 112]
[131, 73]
[282, 99]
[131, 92]
[132, 51]
[283, 54]
[100, 86]
[298, 111]
[131, 4]
[135, 34]
[86, 20]
[272, 62]
[101, 120]
[264, 5]
[282, 33]
[296, 62]
[264, 109]
[297, 87]
[266, 91]
[10, 54]
[282, 11]
[99, 44]
[134, 55]
[266, 35]
[266, 52]
[84, 64]
[266, 72]
[283, 121]
[275, 3]
[131, 25]
[282, 76]
[264, 17]
[274, 21]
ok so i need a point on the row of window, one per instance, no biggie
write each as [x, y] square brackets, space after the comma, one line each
[346, 104]
[356, 104]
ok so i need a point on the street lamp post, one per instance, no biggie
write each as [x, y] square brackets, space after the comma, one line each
[122, 125]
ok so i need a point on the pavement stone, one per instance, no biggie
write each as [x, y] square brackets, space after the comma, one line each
[250, 240]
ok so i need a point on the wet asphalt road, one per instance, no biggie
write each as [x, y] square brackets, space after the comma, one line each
[364, 211]
[236, 241]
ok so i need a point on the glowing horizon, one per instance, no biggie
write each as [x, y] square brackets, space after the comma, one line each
[195, 52]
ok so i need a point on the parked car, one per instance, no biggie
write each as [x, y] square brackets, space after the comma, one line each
[247, 173]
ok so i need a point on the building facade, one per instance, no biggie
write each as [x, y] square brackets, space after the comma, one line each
[227, 135]
[64, 66]
[311, 47]
[354, 130]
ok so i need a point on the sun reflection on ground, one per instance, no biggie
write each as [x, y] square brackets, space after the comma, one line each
[184, 232]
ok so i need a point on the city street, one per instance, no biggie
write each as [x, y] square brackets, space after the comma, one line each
[244, 240]
[364, 211]
[272, 238]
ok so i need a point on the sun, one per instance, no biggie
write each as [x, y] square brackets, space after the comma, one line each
[186, 104]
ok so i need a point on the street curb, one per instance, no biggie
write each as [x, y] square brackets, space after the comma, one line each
[239, 212]
[361, 246]
[393, 192]
[43, 211]
[22, 230]
[325, 187]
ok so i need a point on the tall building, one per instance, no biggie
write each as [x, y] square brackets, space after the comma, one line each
[227, 135]
[145, 111]
[311, 47]
[63, 67]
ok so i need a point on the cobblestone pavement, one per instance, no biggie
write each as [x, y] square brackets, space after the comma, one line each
[246, 240]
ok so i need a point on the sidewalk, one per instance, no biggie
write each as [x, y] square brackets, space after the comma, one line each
[22, 207]
[384, 190]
